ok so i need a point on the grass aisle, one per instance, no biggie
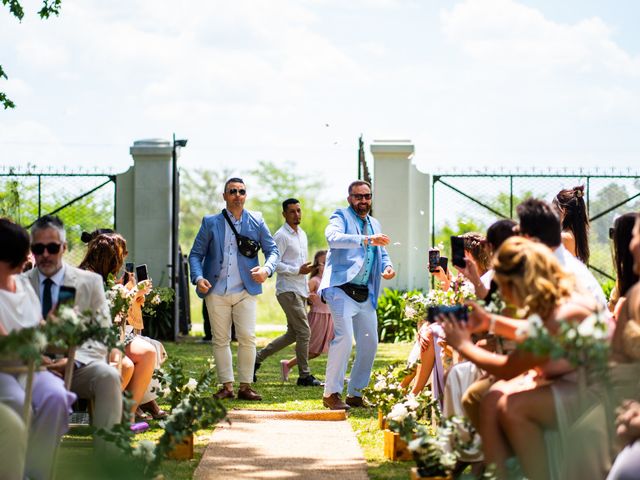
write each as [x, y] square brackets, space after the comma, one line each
[277, 396]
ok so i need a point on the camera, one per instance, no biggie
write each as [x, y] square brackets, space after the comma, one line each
[460, 312]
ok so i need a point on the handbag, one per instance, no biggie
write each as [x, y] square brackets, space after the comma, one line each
[246, 246]
[359, 293]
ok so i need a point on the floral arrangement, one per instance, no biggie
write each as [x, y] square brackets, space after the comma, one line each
[416, 305]
[68, 327]
[158, 313]
[405, 417]
[126, 300]
[25, 344]
[384, 390]
[584, 344]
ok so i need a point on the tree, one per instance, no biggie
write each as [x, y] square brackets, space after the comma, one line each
[49, 7]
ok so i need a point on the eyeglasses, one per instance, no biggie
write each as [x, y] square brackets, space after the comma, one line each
[237, 191]
[39, 248]
[361, 196]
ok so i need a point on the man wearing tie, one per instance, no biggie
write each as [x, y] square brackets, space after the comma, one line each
[93, 377]
[351, 285]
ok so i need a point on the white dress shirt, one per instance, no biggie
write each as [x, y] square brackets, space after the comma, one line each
[230, 281]
[292, 245]
[584, 277]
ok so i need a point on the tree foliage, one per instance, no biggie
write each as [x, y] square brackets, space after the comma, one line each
[49, 7]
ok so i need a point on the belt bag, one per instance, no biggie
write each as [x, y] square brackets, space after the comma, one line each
[246, 246]
[359, 293]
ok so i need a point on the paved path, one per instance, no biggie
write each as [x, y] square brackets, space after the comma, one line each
[268, 445]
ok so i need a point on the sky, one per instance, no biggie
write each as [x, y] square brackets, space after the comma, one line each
[474, 84]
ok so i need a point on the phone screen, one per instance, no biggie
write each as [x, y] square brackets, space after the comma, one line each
[141, 272]
[67, 296]
[457, 252]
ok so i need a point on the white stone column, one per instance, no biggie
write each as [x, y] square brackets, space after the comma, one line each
[143, 207]
[401, 201]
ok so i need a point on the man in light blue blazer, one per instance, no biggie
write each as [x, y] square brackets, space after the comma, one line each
[227, 274]
[350, 285]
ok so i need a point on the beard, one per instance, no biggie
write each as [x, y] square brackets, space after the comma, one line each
[361, 209]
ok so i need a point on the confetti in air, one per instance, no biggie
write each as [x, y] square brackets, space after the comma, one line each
[421, 212]
[397, 243]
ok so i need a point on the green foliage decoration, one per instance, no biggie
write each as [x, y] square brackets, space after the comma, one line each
[393, 326]
[157, 313]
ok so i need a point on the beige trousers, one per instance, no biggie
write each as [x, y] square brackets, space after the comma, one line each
[239, 308]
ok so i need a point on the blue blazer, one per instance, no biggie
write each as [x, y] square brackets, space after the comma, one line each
[347, 254]
[205, 259]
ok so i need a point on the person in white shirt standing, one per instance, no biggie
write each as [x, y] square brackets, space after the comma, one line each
[292, 293]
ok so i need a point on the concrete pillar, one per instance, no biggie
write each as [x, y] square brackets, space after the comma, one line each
[143, 207]
[402, 203]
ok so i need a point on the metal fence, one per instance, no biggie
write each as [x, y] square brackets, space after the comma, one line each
[84, 202]
[464, 202]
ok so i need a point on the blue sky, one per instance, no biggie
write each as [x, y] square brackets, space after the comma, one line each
[473, 83]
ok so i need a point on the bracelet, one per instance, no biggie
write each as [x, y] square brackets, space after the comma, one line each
[492, 324]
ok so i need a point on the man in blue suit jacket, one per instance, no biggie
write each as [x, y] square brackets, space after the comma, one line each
[351, 285]
[229, 282]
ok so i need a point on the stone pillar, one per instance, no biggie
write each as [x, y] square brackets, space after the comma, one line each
[401, 201]
[143, 207]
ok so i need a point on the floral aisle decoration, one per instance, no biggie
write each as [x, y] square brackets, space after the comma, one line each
[26, 344]
[436, 450]
[127, 300]
[583, 344]
[157, 313]
[406, 416]
[385, 389]
[69, 327]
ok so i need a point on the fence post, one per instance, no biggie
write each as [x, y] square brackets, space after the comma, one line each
[401, 201]
[143, 213]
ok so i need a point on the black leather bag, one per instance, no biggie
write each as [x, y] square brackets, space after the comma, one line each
[246, 246]
[359, 293]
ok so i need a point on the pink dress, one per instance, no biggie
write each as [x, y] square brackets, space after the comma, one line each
[320, 321]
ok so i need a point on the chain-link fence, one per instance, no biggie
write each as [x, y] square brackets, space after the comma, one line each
[471, 202]
[84, 202]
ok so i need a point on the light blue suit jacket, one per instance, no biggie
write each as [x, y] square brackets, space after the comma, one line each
[205, 259]
[347, 254]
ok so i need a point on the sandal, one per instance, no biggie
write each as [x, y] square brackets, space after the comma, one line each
[153, 409]
[141, 416]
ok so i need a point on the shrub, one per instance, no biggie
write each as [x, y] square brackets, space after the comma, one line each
[393, 326]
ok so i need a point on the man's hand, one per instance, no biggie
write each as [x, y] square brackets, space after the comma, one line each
[378, 240]
[203, 285]
[58, 367]
[305, 268]
[388, 273]
[259, 274]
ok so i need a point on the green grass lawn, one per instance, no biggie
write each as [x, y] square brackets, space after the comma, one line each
[276, 396]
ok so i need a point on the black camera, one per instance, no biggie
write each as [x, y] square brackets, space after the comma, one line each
[460, 312]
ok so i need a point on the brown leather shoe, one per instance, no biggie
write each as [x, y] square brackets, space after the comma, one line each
[248, 393]
[223, 393]
[356, 402]
[334, 402]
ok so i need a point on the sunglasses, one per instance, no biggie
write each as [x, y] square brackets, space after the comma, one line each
[236, 191]
[52, 248]
[361, 196]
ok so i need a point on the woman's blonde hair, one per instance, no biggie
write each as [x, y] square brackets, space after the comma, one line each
[534, 275]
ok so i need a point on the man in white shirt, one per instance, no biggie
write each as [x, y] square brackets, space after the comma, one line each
[292, 292]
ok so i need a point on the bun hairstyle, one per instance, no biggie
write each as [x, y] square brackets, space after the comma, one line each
[86, 237]
[476, 244]
[575, 218]
[534, 275]
[105, 255]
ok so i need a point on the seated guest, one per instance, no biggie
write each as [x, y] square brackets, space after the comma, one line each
[93, 377]
[105, 256]
[626, 277]
[517, 411]
[51, 402]
[627, 463]
[574, 217]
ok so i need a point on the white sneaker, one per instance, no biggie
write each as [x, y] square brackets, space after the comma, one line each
[284, 370]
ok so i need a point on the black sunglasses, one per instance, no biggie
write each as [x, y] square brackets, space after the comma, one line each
[361, 196]
[239, 191]
[39, 248]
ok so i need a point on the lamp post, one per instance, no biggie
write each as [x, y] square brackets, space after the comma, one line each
[175, 224]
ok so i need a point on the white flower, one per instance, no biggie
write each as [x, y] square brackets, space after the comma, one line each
[40, 340]
[191, 385]
[534, 325]
[380, 385]
[145, 450]
[156, 300]
[398, 413]
[415, 444]
[409, 312]
[587, 327]
[571, 334]
[411, 403]
[448, 460]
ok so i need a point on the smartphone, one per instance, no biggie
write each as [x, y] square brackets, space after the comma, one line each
[67, 296]
[141, 272]
[434, 259]
[128, 267]
[460, 312]
[128, 273]
[444, 263]
[457, 252]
